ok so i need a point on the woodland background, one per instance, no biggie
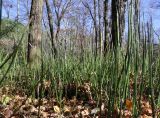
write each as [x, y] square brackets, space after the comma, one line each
[80, 58]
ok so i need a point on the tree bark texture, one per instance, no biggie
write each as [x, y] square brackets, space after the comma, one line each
[106, 38]
[34, 36]
[121, 15]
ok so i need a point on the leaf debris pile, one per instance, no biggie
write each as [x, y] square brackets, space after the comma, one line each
[22, 106]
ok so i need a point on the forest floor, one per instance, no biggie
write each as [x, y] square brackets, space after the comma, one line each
[15, 104]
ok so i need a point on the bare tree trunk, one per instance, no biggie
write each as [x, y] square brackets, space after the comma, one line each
[82, 38]
[50, 19]
[99, 24]
[95, 28]
[17, 10]
[114, 31]
[0, 14]
[17, 21]
[121, 12]
[58, 29]
[106, 38]
[27, 8]
[34, 36]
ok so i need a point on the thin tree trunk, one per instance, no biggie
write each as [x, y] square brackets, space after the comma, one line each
[82, 38]
[17, 10]
[50, 19]
[95, 27]
[34, 36]
[58, 29]
[0, 14]
[99, 31]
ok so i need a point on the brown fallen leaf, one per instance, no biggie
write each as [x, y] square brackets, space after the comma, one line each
[77, 110]
[147, 111]
[127, 114]
[42, 108]
[56, 109]
[28, 101]
[5, 90]
[67, 109]
[44, 114]
[28, 109]
[73, 101]
[145, 116]
[35, 102]
[129, 104]
[85, 112]
[145, 104]
[7, 113]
